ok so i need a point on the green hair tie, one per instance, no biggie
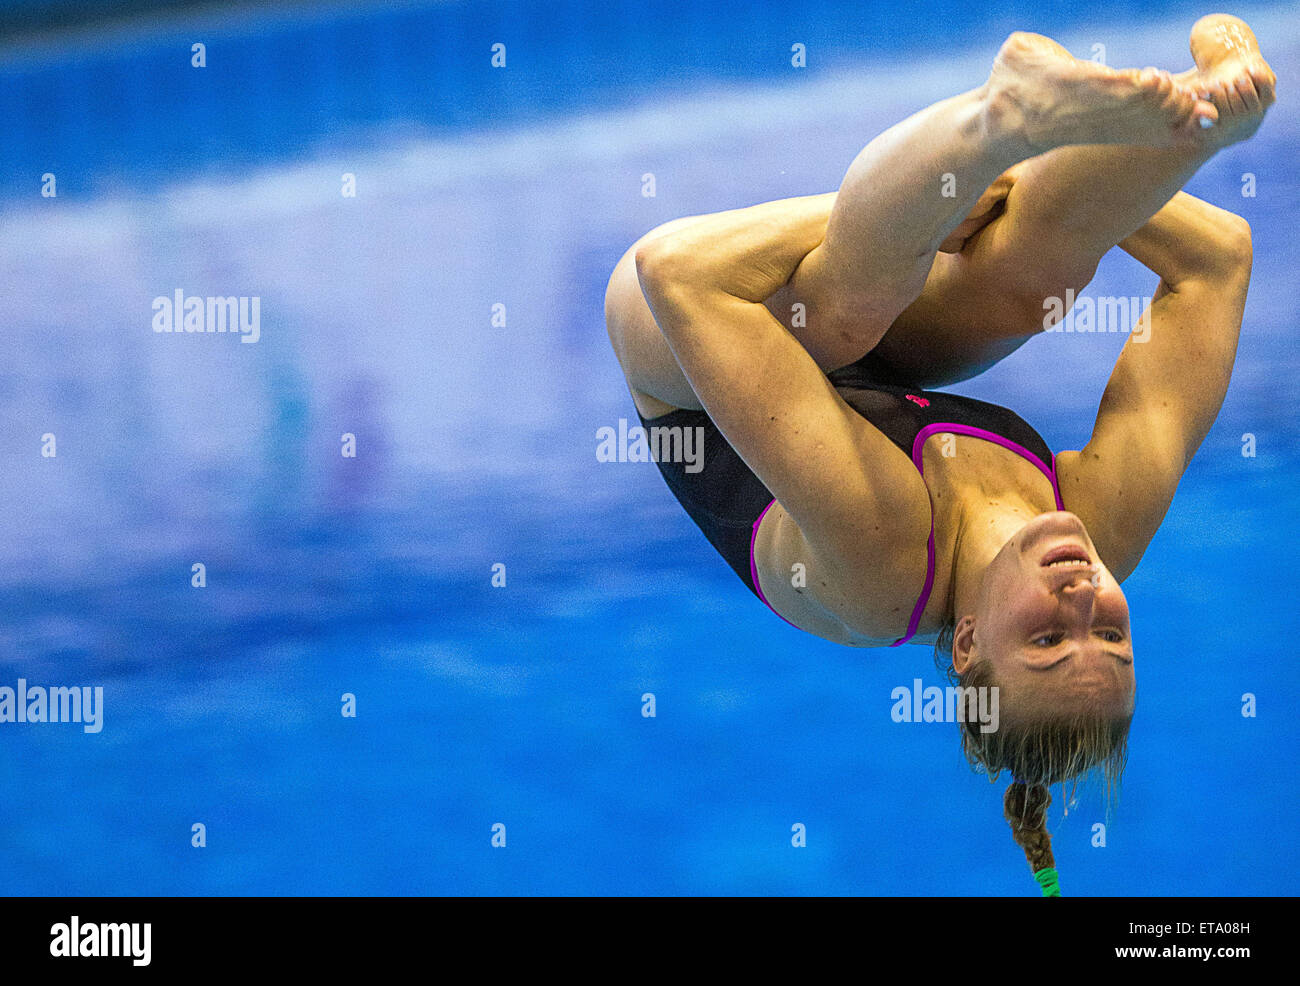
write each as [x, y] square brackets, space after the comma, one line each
[1047, 880]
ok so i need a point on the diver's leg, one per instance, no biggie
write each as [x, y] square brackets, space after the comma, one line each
[1063, 212]
[911, 187]
[908, 189]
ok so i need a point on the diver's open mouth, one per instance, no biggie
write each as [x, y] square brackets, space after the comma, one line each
[1067, 555]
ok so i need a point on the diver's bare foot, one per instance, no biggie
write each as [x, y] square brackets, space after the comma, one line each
[1231, 73]
[1044, 97]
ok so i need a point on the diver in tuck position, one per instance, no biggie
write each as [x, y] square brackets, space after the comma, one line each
[823, 447]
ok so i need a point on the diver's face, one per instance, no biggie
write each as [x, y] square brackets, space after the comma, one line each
[1051, 614]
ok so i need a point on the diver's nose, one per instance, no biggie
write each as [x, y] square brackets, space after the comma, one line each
[1081, 595]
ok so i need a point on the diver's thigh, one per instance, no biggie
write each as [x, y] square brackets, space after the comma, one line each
[962, 323]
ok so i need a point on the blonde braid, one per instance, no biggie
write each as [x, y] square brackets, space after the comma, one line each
[1025, 806]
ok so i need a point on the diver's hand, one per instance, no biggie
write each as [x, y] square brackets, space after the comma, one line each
[990, 205]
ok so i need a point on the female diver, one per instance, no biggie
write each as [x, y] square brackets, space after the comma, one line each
[924, 516]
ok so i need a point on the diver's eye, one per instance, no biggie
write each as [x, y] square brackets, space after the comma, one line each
[1114, 636]
[1047, 639]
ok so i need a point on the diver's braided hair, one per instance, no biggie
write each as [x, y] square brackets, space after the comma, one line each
[1025, 806]
[1037, 754]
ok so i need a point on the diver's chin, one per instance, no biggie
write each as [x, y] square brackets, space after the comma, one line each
[1054, 531]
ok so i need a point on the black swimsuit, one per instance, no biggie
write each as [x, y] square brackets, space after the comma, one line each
[728, 502]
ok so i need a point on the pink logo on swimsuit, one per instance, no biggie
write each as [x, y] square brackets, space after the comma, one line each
[920, 401]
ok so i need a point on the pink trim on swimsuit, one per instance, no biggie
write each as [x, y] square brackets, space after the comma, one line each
[918, 460]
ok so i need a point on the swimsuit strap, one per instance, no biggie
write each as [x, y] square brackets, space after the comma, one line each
[918, 461]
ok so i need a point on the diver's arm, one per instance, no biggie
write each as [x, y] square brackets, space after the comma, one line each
[1179, 376]
[844, 483]
[1170, 380]
[1191, 243]
[656, 381]
[831, 325]
[749, 252]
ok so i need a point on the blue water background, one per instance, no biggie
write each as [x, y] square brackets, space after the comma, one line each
[521, 705]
